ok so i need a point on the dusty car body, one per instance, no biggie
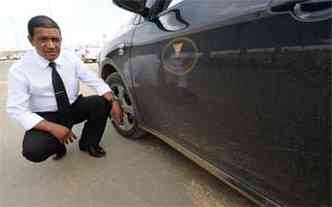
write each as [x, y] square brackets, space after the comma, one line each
[243, 88]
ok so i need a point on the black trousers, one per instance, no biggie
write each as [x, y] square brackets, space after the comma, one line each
[38, 145]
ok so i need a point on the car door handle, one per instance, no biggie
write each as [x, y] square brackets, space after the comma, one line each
[313, 10]
[284, 6]
[304, 10]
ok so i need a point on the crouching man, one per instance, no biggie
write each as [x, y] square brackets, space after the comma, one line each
[43, 95]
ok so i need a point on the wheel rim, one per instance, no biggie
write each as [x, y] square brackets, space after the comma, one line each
[127, 107]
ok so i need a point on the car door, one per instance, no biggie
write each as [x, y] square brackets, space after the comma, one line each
[244, 88]
[296, 67]
[284, 71]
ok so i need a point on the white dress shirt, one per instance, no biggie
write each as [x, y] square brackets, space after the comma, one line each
[30, 86]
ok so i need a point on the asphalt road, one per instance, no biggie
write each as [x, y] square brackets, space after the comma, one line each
[144, 173]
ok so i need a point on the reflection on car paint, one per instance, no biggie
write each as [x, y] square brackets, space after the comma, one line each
[180, 56]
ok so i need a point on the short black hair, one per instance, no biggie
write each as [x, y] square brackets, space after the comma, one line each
[41, 21]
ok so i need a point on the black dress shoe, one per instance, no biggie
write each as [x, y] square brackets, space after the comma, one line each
[60, 155]
[94, 151]
[101, 149]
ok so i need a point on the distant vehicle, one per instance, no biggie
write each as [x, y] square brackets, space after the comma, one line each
[13, 57]
[242, 87]
[90, 54]
[10, 57]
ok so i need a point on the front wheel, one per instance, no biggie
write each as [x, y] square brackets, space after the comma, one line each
[129, 128]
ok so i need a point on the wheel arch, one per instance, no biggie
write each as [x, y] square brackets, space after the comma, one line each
[108, 68]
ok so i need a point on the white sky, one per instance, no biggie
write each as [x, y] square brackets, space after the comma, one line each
[81, 21]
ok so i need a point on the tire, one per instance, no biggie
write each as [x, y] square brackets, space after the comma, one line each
[129, 128]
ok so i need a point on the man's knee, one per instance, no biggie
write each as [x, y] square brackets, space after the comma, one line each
[34, 155]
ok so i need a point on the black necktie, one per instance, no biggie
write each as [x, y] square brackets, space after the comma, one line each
[61, 96]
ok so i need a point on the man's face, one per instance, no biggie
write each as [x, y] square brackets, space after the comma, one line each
[47, 42]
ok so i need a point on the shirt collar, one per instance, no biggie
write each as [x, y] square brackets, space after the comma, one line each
[43, 63]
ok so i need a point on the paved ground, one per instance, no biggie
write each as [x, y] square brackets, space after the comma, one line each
[145, 173]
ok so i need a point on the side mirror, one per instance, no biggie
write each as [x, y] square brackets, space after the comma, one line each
[136, 6]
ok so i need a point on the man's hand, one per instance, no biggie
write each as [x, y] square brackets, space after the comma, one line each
[62, 133]
[117, 113]
[116, 108]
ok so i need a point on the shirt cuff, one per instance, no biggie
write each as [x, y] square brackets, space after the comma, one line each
[30, 120]
[103, 89]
